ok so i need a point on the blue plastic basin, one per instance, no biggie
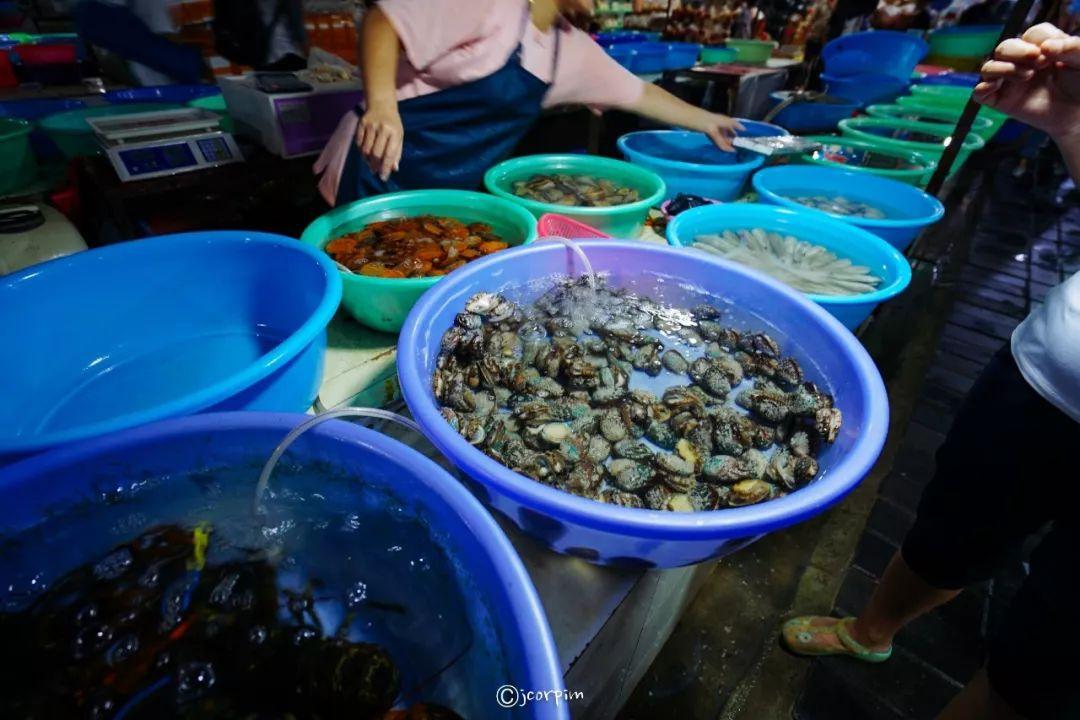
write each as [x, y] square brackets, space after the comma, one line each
[622, 53]
[98, 484]
[812, 116]
[627, 537]
[757, 128]
[689, 162]
[124, 335]
[843, 239]
[681, 55]
[956, 79]
[179, 94]
[908, 209]
[881, 51]
[648, 58]
[865, 89]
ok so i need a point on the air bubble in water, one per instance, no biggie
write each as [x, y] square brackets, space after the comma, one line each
[91, 640]
[257, 635]
[304, 634]
[194, 679]
[122, 649]
[357, 594]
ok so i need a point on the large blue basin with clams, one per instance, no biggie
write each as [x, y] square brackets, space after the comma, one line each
[830, 355]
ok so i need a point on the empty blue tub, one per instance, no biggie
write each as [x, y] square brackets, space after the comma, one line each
[840, 238]
[123, 335]
[689, 162]
[877, 51]
[865, 89]
[649, 57]
[908, 209]
[681, 55]
[757, 128]
[622, 53]
[469, 601]
[819, 115]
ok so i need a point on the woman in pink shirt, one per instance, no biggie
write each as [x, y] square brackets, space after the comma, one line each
[452, 86]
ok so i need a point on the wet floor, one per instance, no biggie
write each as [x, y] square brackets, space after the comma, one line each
[1002, 247]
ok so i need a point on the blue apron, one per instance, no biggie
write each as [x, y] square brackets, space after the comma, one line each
[453, 136]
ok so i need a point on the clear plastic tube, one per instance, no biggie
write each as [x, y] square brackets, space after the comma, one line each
[589, 274]
[264, 476]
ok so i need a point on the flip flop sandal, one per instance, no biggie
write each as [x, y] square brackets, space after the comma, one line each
[802, 638]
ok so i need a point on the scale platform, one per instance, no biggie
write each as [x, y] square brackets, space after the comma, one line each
[164, 142]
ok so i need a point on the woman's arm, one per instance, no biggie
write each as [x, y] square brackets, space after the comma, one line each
[660, 105]
[380, 133]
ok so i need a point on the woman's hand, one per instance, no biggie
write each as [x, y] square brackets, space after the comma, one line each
[1036, 79]
[379, 137]
[721, 129]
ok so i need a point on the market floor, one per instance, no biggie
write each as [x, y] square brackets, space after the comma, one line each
[1000, 249]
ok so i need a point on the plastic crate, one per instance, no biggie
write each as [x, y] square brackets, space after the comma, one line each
[552, 225]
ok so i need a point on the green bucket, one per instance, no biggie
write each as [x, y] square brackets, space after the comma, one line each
[384, 303]
[75, 138]
[19, 166]
[713, 55]
[620, 221]
[975, 41]
[948, 98]
[215, 103]
[869, 157]
[751, 52]
[982, 126]
[895, 133]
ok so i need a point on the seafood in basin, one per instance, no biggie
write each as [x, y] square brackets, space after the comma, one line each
[414, 247]
[616, 397]
[575, 190]
[840, 205]
[800, 264]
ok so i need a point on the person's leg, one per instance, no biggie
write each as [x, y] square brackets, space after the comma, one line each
[899, 598]
[975, 512]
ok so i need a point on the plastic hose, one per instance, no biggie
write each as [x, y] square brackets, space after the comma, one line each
[572, 244]
[264, 476]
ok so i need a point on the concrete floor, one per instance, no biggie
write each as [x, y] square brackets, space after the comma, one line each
[975, 276]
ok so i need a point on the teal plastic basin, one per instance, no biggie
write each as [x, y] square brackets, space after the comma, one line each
[75, 137]
[866, 157]
[16, 157]
[383, 303]
[927, 139]
[982, 126]
[838, 237]
[621, 221]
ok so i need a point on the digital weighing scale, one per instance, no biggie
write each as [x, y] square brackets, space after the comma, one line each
[164, 142]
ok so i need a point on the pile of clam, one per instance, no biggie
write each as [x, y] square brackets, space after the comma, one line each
[840, 205]
[575, 190]
[557, 392]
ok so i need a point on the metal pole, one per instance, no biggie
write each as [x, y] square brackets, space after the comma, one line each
[963, 126]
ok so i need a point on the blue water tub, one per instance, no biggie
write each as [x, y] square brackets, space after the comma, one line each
[689, 162]
[120, 336]
[806, 116]
[908, 209]
[757, 128]
[179, 94]
[681, 55]
[622, 53]
[841, 238]
[865, 89]
[34, 110]
[626, 537]
[956, 79]
[352, 470]
[885, 51]
[649, 57]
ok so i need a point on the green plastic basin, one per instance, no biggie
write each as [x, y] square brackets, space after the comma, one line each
[752, 52]
[893, 133]
[949, 98]
[75, 138]
[869, 157]
[383, 303]
[975, 41]
[620, 221]
[215, 103]
[982, 126]
[713, 55]
[19, 167]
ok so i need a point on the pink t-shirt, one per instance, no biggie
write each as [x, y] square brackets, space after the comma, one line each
[451, 42]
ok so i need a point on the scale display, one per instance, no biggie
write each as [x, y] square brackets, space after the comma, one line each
[169, 157]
